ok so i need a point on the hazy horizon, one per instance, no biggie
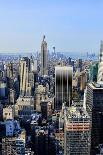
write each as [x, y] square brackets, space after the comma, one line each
[73, 25]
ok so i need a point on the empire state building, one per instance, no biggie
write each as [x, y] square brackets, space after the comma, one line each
[44, 57]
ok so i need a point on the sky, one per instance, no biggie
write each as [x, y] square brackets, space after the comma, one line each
[69, 25]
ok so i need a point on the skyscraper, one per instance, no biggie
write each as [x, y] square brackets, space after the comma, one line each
[10, 70]
[63, 86]
[76, 131]
[25, 77]
[93, 72]
[94, 106]
[44, 57]
[79, 64]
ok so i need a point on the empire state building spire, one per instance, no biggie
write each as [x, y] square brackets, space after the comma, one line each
[100, 67]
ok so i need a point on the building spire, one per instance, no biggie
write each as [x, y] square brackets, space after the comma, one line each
[100, 66]
[43, 37]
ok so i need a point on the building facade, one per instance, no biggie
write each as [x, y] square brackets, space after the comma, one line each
[94, 106]
[63, 86]
[24, 107]
[76, 132]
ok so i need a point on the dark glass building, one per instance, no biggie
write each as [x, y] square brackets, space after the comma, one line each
[94, 104]
[63, 86]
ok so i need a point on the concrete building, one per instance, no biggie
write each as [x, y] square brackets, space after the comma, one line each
[80, 80]
[31, 79]
[12, 96]
[20, 143]
[40, 94]
[8, 146]
[20, 147]
[9, 70]
[41, 141]
[33, 64]
[15, 145]
[79, 65]
[44, 57]
[24, 75]
[3, 89]
[63, 86]
[8, 113]
[9, 128]
[24, 107]
[59, 138]
[76, 131]
[83, 80]
[46, 109]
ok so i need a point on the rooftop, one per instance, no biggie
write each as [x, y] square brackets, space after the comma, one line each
[76, 112]
[96, 85]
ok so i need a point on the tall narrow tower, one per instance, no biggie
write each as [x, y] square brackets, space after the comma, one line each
[44, 57]
[100, 67]
[24, 68]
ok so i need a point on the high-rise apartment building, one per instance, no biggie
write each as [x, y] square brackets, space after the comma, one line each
[76, 131]
[63, 86]
[44, 57]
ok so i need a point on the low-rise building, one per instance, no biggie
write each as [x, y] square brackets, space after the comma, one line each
[8, 113]
[24, 107]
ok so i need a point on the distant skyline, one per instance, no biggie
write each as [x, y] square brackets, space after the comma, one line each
[69, 25]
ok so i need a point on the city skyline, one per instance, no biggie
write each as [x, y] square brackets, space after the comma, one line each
[51, 104]
[73, 26]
